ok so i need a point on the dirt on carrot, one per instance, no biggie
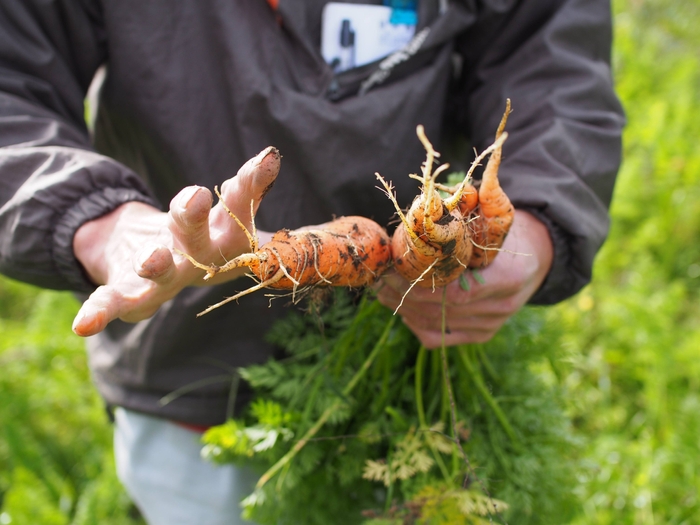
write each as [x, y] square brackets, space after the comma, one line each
[439, 238]
[349, 251]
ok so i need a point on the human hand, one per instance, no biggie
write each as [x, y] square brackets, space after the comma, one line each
[476, 315]
[131, 253]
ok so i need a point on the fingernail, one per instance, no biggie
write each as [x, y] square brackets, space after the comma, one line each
[85, 325]
[78, 319]
[264, 153]
[153, 262]
[145, 254]
[186, 196]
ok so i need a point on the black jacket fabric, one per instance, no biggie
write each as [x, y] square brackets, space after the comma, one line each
[194, 88]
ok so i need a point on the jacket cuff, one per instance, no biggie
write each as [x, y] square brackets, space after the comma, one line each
[87, 209]
[562, 281]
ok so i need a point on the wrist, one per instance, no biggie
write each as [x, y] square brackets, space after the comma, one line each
[540, 243]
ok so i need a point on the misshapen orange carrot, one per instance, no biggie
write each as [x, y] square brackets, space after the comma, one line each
[432, 245]
[349, 251]
[494, 214]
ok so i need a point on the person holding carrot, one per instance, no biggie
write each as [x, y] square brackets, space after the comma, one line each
[189, 94]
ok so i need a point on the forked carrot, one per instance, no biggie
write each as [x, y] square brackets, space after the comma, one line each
[432, 245]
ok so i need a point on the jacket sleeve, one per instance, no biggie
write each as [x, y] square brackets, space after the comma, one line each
[51, 181]
[552, 59]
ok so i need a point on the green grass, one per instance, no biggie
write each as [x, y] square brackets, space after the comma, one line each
[634, 334]
[56, 464]
[632, 342]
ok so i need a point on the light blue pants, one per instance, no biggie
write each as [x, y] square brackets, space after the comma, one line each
[160, 465]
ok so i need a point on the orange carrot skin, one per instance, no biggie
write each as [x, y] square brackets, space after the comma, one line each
[491, 234]
[495, 213]
[446, 246]
[494, 216]
[469, 200]
[349, 251]
[411, 263]
[434, 242]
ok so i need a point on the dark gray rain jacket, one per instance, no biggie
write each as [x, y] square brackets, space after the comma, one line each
[196, 87]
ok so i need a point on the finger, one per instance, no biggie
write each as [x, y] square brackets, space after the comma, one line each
[433, 339]
[487, 286]
[257, 176]
[390, 298]
[400, 286]
[402, 303]
[423, 301]
[461, 323]
[252, 182]
[96, 313]
[189, 214]
[419, 308]
[457, 331]
[155, 263]
[108, 303]
[471, 291]
[487, 314]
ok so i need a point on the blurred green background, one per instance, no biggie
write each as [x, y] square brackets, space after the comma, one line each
[629, 360]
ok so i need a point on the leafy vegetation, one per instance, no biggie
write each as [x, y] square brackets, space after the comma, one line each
[56, 463]
[386, 436]
[633, 375]
[624, 352]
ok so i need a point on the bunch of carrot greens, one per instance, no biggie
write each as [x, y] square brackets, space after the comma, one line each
[354, 427]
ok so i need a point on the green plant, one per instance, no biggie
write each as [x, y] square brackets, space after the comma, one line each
[633, 380]
[359, 413]
[56, 465]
